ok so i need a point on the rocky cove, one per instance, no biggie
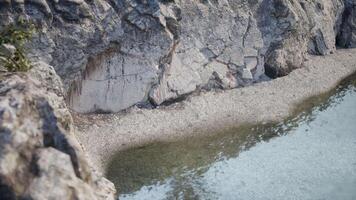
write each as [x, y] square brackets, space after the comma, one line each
[310, 155]
[168, 69]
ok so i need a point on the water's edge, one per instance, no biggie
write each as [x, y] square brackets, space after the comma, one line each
[298, 111]
[158, 161]
[212, 112]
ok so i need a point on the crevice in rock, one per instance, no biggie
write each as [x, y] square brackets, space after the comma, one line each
[348, 27]
[53, 136]
[317, 45]
[246, 32]
[165, 63]
[180, 98]
[34, 169]
[6, 192]
[173, 26]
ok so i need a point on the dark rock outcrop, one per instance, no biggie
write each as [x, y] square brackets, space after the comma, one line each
[347, 34]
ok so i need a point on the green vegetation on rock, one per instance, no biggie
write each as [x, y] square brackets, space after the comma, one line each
[12, 40]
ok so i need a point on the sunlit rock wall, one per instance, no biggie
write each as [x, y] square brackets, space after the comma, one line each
[115, 54]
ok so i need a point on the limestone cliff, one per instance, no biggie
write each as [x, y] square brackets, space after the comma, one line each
[40, 157]
[115, 54]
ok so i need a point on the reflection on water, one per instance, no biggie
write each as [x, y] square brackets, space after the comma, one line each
[309, 156]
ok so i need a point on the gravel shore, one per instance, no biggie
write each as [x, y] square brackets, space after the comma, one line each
[103, 135]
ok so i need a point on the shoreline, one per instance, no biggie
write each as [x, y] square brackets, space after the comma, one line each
[103, 135]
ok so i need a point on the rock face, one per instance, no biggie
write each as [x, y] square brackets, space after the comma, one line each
[347, 35]
[6, 51]
[114, 54]
[111, 55]
[39, 157]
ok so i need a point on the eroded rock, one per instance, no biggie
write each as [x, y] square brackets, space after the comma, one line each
[347, 35]
[39, 155]
[114, 54]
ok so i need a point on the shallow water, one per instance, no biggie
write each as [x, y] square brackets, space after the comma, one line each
[309, 156]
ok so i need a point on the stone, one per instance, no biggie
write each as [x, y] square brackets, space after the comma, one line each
[106, 56]
[3, 61]
[246, 74]
[7, 50]
[109, 90]
[40, 157]
[56, 174]
[347, 35]
[112, 55]
[251, 62]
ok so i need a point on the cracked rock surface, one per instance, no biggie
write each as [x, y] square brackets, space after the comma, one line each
[115, 54]
[347, 34]
[40, 157]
